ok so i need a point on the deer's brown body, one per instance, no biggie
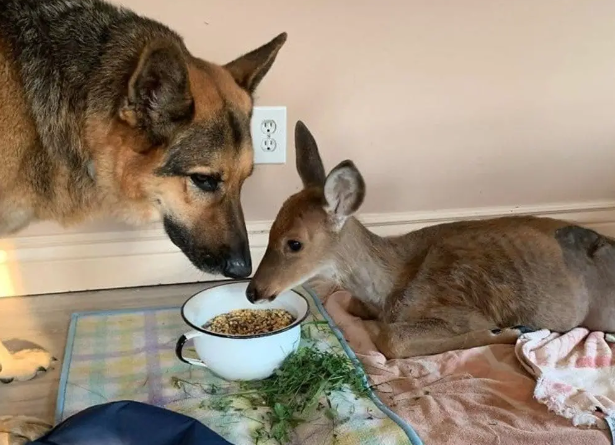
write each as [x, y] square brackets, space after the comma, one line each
[443, 287]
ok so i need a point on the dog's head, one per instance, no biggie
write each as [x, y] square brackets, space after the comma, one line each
[186, 123]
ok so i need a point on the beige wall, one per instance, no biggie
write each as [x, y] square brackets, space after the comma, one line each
[442, 104]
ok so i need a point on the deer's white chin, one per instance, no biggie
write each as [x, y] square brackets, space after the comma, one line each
[325, 270]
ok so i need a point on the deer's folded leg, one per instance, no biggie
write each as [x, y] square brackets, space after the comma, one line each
[404, 340]
[359, 309]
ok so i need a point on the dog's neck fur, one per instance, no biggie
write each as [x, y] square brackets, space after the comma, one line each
[365, 264]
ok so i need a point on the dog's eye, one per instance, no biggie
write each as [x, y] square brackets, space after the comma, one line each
[294, 246]
[207, 183]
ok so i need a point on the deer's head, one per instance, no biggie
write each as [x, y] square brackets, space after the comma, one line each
[305, 234]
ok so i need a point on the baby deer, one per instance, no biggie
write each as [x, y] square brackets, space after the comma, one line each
[449, 286]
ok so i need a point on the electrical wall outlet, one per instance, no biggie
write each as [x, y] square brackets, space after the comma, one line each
[268, 129]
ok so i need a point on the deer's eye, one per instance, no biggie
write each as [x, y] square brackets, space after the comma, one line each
[294, 245]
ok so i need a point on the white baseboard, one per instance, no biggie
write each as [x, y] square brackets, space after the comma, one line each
[87, 261]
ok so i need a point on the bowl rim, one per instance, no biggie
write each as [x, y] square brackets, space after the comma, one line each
[296, 323]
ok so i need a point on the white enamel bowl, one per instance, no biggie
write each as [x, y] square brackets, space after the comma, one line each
[251, 357]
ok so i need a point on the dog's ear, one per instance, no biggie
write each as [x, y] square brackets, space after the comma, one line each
[159, 97]
[249, 69]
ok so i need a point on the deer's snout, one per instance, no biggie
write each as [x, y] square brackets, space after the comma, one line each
[255, 295]
[251, 293]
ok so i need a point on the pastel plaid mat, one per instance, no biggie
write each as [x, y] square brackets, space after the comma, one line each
[130, 355]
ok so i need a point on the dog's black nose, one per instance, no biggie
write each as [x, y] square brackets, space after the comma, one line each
[238, 268]
[237, 262]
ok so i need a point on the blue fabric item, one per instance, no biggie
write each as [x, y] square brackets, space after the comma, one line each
[611, 423]
[130, 423]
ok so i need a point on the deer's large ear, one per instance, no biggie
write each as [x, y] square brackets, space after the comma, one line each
[344, 191]
[159, 96]
[309, 165]
[249, 69]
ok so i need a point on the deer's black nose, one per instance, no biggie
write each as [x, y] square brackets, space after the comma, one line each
[251, 294]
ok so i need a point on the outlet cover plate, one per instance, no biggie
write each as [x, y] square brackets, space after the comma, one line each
[263, 139]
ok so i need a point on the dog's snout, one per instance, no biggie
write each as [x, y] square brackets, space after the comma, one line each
[238, 267]
[238, 263]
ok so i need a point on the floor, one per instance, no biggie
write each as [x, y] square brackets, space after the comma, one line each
[45, 319]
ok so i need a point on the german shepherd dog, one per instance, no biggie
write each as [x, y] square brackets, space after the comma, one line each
[106, 113]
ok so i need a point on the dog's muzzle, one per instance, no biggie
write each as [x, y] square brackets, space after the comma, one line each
[238, 267]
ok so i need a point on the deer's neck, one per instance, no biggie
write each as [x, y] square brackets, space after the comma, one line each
[366, 264]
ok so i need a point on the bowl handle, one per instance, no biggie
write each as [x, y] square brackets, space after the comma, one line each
[179, 346]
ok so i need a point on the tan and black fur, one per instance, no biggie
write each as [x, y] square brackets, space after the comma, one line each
[443, 287]
[106, 113]
[21, 430]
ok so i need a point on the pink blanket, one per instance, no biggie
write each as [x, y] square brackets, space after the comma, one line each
[475, 397]
[575, 373]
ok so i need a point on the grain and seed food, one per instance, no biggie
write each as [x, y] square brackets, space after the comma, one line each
[250, 321]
